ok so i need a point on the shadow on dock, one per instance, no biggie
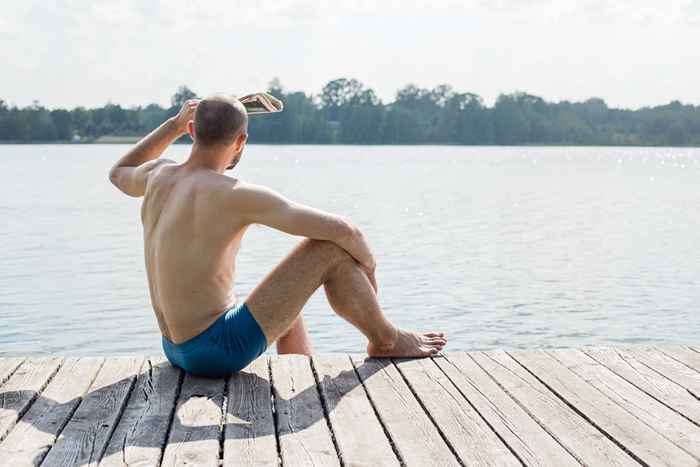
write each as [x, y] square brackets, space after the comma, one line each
[143, 410]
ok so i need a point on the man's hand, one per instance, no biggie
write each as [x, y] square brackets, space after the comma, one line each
[184, 116]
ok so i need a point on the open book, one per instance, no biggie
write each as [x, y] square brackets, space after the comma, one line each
[261, 103]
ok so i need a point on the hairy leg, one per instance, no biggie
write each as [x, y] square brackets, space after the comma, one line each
[350, 293]
[277, 301]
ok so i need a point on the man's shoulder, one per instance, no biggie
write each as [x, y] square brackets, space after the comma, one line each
[224, 186]
[245, 196]
[156, 171]
[158, 164]
[239, 187]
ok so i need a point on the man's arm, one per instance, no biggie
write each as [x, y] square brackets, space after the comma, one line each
[261, 205]
[130, 173]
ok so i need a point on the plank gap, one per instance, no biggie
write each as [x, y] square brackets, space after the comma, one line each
[173, 410]
[427, 412]
[432, 359]
[659, 372]
[275, 415]
[661, 401]
[71, 413]
[382, 423]
[629, 391]
[222, 423]
[13, 368]
[581, 414]
[26, 406]
[324, 406]
[520, 404]
[670, 355]
[83, 441]
[120, 410]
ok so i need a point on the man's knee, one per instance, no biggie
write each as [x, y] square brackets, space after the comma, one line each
[330, 253]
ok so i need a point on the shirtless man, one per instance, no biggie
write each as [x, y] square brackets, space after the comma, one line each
[194, 218]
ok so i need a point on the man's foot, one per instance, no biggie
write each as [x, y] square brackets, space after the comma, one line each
[410, 344]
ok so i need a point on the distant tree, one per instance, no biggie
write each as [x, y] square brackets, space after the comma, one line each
[353, 113]
[63, 123]
[181, 96]
[151, 116]
[275, 88]
[340, 92]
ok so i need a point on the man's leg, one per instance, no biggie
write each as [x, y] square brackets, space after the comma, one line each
[277, 301]
[296, 339]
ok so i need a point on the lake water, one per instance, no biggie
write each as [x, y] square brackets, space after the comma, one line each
[500, 247]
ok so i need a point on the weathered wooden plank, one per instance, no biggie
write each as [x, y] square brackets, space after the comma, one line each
[141, 433]
[36, 432]
[469, 436]
[521, 432]
[23, 387]
[358, 433]
[683, 354]
[640, 439]
[669, 367]
[415, 438]
[196, 426]
[628, 366]
[7, 366]
[86, 435]
[674, 427]
[579, 437]
[249, 430]
[301, 423]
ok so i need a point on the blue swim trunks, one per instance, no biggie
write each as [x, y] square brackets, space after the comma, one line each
[227, 346]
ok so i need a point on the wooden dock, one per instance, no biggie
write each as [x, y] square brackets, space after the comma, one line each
[591, 406]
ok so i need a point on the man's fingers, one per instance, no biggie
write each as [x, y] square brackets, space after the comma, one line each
[190, 105]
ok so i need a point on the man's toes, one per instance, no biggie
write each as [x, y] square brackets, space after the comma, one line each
[433, 347]
[437, 340]
[434, 334]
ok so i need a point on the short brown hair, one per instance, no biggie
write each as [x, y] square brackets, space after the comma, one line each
[219, 119]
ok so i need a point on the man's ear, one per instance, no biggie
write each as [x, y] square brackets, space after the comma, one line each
[190, 128]
[240, 141]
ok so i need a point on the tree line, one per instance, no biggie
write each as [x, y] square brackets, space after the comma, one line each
[348, 112]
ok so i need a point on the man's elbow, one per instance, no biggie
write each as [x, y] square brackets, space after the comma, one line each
[118, 180]
[348, 230]
[113, 176]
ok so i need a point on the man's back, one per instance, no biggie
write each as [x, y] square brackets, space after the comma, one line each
[189, 248]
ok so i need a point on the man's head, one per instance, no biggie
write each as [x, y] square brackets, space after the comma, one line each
[221, 123]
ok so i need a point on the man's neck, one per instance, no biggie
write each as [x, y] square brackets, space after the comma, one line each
[207, 158]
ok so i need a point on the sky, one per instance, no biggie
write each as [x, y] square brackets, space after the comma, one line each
[68, 53]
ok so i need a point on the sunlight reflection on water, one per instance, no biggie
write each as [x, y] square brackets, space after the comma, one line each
[501, 247]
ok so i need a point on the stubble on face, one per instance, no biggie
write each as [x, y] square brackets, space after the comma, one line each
[235, 160]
